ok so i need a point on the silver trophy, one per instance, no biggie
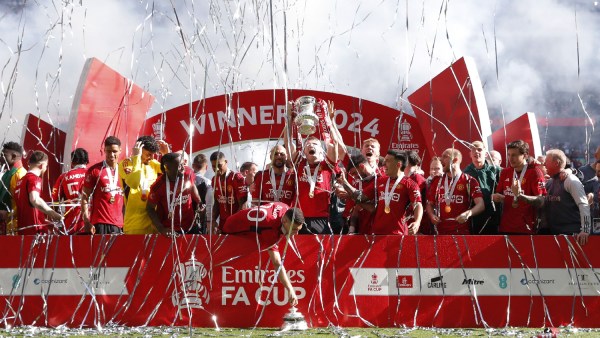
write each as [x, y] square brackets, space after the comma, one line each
[294, 321]
[306, 120]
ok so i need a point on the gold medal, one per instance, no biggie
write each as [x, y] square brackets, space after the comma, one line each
[515, 204]
[170, 215]
[311, 194]
[112, 199]
[447, 208]
[387, 209]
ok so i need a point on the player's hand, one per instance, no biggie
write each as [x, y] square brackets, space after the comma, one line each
[497, 197]
[413, 227]
[515, 188]
[582, 238]
[293, 299]
[137, 148]
[163, 147]
[462, 218]
[331, 109]
[54, 216]
[435, 219]
[564, 174]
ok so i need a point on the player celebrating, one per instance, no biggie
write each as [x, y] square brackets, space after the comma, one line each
[271, 223]
[66, 189]
[169, 205]
[449, 198]
[275, 184]
[519, 217]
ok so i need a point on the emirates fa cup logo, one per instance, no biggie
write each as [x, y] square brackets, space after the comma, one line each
[158, 128]
[189, 291]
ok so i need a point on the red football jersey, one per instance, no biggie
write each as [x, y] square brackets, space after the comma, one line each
[67, 188]
[466, 190]
[523, 218]
[318, 205]
[263, 189]
[263, 221]
[30, 220]
[228, 189]
[183, 211]
[405, 194]
[103, 209]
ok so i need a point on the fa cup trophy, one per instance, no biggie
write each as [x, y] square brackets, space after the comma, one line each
[306, 120]
[294, 321]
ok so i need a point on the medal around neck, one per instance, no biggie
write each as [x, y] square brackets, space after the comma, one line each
[294, 321]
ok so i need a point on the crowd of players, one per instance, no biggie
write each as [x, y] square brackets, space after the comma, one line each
[328, 190]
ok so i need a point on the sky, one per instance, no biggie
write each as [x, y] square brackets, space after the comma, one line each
[532, 55]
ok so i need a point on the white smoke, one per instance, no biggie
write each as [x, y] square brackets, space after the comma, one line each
[380, 51]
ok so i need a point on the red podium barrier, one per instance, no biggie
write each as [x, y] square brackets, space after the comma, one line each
[386, 281]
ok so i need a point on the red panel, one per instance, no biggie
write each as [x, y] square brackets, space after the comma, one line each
[254, 117]
[522, 128]
[349, 281]
[452, 107]
[106, 103]
[40, 135]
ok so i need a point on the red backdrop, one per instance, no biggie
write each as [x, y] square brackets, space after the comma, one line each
[441, 281]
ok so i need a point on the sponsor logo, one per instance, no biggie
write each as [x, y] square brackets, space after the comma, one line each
[404, 281]
[38, 281]
[436, 283]
[374, 283]
[189, 291]
[472, 281]
[16, 279]
[525, 281]
[586, 280]
[404, 132]
[502, 281]
[158, 130]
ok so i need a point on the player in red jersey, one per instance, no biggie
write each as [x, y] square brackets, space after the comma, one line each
[270, 223]
[169, 204]
[315, 170]
[102, 193]
[450, 197]
[230, 191]
[396, 194]
[275, 184]
[31, 208]
[67, 189]
[518, 217]
[360, 207]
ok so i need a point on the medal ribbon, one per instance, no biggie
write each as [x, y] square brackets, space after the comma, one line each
[387, 197]
[448, 193]
[171, 203]
[112, 181]
[312, 180]
[520, 178]
[277, 188]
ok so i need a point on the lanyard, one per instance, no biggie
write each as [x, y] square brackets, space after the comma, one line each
[448, 193]
[277, 188]
[112, 180]
[171, 203]
[520, 179]
[387, 197]
[312, 180]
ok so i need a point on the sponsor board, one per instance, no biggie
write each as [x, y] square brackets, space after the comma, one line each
[63, 281]
[482, 282]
